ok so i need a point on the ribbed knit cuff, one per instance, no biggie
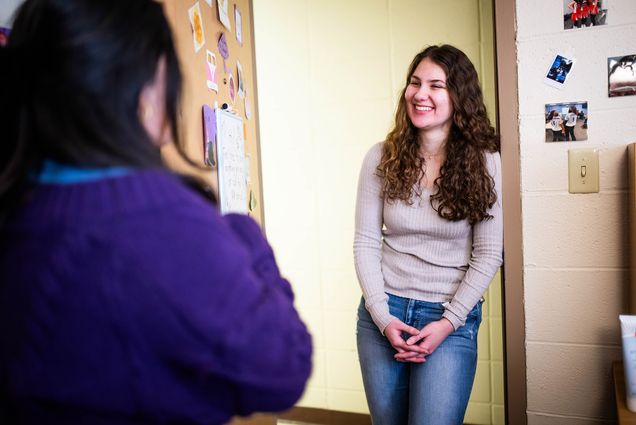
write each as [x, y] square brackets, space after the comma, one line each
[455, 320]
[380, 315]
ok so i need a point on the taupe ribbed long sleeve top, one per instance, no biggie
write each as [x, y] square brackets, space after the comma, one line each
[410, 251]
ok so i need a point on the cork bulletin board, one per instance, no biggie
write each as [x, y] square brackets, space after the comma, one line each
[214, 41]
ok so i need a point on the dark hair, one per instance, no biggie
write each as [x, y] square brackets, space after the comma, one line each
[73, 71]
[464, 189]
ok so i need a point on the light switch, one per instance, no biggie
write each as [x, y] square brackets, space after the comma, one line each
[583, 170]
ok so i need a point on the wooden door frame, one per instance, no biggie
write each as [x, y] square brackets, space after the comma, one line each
[512, 287]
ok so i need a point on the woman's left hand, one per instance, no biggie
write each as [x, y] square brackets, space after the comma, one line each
[429, 338]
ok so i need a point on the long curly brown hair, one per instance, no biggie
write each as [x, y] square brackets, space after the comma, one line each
[464, 189]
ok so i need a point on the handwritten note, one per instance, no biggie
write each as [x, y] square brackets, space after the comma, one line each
[231, 156]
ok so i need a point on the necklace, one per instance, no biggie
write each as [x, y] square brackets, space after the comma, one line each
[428, 156]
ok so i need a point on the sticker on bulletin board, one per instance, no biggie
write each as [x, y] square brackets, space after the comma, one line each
[253, 202]
[231, 156]
[224, 51]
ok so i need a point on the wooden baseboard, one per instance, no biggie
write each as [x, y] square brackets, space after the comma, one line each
[307, 415]
[325, 417]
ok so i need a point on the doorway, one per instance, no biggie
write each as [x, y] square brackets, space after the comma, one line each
[329, 74]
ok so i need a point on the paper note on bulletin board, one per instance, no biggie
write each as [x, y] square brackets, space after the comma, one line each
[231, 156]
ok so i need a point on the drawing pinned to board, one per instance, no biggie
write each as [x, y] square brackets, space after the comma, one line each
[224, 17]
[238, 21]
[212, 77]
[4, 36]
[559, 71]
[231, 87]
[231, 155]
[209, 137]
[621, 75]
[224, 51]
[239, 74]
[198, 37]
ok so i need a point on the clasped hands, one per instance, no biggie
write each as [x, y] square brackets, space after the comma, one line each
[421, 343]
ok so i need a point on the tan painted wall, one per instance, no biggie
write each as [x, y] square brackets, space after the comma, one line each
[329, 73]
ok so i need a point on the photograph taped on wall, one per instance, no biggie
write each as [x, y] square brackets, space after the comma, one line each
[559, 71]
[584, 13]
[566, 122]
[621, 75]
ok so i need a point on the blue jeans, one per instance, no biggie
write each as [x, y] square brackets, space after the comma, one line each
[435, 392]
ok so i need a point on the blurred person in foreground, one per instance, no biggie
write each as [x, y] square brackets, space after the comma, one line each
[125, 297]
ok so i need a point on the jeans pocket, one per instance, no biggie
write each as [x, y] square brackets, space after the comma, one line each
[473, 322]
[475, 313]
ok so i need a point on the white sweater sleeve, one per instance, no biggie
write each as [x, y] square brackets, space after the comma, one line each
[367, 244]
[486, 257]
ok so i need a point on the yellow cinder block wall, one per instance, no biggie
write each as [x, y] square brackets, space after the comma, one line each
[329, 74]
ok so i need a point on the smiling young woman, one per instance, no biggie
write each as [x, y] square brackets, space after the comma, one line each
[428, 241]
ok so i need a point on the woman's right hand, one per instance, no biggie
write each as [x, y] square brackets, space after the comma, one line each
[393, 333]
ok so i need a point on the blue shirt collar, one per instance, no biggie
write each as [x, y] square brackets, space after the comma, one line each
[55, 173]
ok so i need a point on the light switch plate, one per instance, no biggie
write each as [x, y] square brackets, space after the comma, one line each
[583, 170]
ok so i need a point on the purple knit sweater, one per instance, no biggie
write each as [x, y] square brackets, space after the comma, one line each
[130, 300]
